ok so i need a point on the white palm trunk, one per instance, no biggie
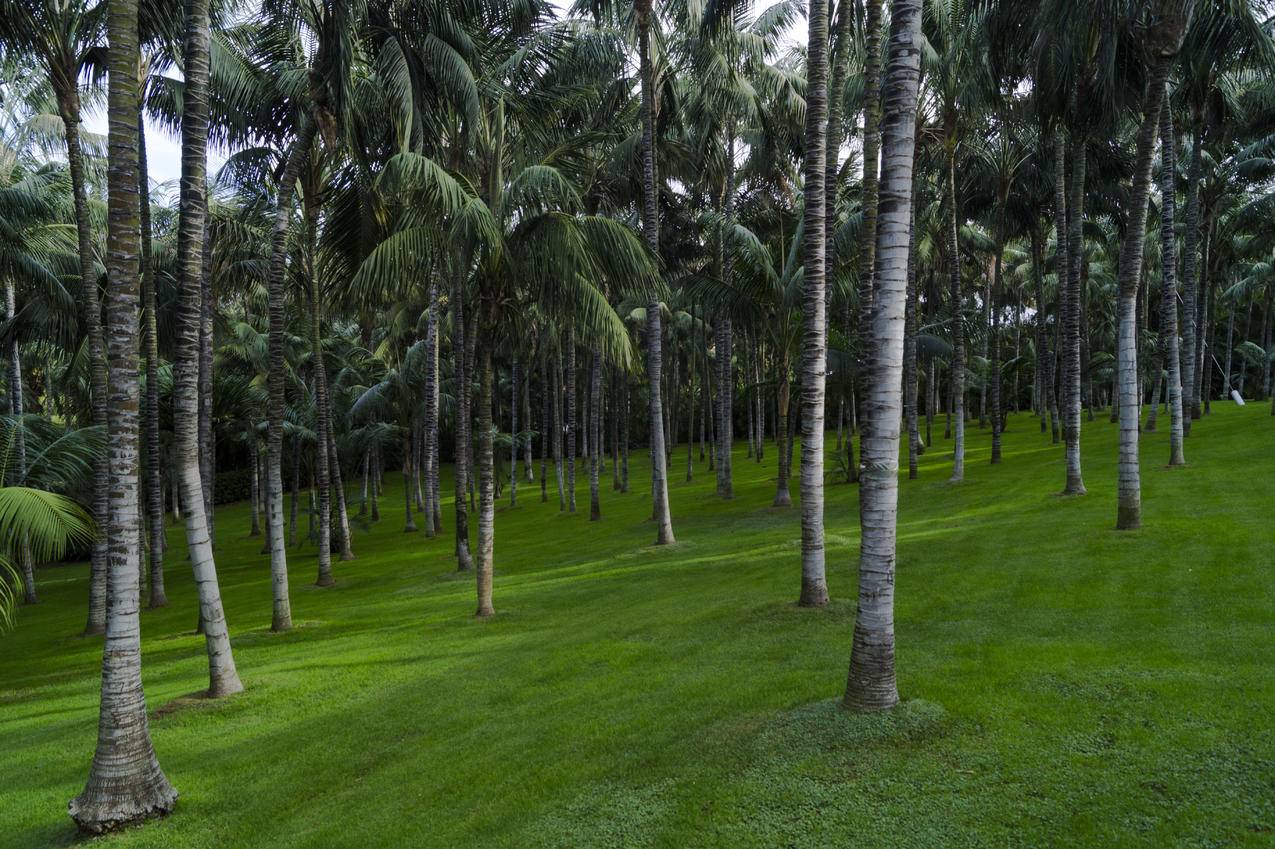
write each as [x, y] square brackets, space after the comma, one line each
[223, 679]
[1128, 479]
[1169, 290]
[814, 583]
[1071, 322]
[125, 783]
[871, 681]
[486, 486]
[958, 330]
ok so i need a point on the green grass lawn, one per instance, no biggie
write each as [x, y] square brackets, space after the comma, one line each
[1063, 684]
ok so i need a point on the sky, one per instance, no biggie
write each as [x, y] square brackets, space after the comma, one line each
[163, 149]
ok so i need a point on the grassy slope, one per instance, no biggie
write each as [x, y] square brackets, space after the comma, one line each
[1066, 685]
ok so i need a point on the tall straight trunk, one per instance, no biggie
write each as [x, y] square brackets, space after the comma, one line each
[338, 488]
[571, 419]
[69, 108]
[460, 347]
[526, 417]
[624, 435]
[1071, 401]
[431, 412]
[595, 447]
[993, 391]
[323, 420]
[931, 399]
[125, 783]
[435, 483]
[29, 595]
[618, 410]
[514, 378]
[783, 451]
[1169, 344]
[150, 346]
[814, 584]
[557, 429]
[1044, 359]
[189, 441]
[546, 427]
[910, 322]
[1128, 482]
[871, 154]
[870, 684]
[486, 485]
[409, 520]
[1190, 264]
[725, 418]
[957, 408]
[255, 491]
[297, 155]
[651, 231]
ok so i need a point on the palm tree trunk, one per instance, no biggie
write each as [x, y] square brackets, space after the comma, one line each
[1071, 321]
[281, 619]
[295, 501]
[595, 448]
[1128, 483]
[783, 451]
[571, 419]
[871, 152]
[460, 347]
[546, 426]
[486, 486]
[654, 334]
[19, 443]
[191, 253]
[150, 345]
[125, 783]
[255, 491]
[338, 487]
[69, 108]
[1190, 294]
[514, 378]
[871, 681]
[1171, 356]
[909, 349]
[958, 328]
[814, 584]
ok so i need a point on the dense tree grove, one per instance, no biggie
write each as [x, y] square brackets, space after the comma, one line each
[528, 237]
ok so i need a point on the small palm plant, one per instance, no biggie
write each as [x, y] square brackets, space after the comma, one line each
[37, 524]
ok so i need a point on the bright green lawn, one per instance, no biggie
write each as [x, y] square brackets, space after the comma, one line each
[1064, 684]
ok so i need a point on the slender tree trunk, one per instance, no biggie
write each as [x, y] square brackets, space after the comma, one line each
[460, 347]
[783, 451]
[1190, 261]
[191, 251]
[150, 345]
[125, 783]
[255, 490]
[595, 448]
[814, 584]
[571, 419]
[650, 229]
[514, 378]
[910, 319]
[323, 421]
[871, 153]
[69, 107]
[726, 423]
[296, 494]
[557, 430]
[297, 155]
[958, 328]
[1169, 291]
[338, 487]
[1128, 486]
[1075, 484]
[486, 486]
[546, 427]
[871, 684]
[20, 443]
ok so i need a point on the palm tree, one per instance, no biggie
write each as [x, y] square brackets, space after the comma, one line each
[222, 675]
[871, 682]
[643, 15]
[814, 583]
[125, 782]
[1167, 26]
[1169, 340]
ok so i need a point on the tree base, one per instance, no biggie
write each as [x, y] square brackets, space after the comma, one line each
[109, 806]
